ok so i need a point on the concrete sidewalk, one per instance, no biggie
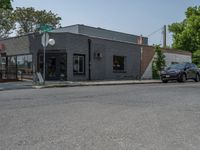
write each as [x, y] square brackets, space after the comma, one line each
[15, 85]
[50, 84]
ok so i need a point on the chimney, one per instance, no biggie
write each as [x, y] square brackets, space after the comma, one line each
[140, 40]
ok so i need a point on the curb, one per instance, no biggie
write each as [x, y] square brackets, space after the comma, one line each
[91, 84]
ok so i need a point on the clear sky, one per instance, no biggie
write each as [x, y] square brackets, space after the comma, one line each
[129, 16]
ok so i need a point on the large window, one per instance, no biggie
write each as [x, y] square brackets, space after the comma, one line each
[79, 64]
[18, 66]
[24, 65]
[2, 63]
[12, 64]
[118, 63]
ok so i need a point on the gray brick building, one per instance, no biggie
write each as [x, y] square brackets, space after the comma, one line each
[73, 57]
[80, 53]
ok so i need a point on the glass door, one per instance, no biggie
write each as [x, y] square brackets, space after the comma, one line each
[52, 68]
[56, 66]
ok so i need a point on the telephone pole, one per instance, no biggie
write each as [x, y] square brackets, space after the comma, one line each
[164, 36]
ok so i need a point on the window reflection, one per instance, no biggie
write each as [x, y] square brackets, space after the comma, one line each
[12, 67]
[24, 66]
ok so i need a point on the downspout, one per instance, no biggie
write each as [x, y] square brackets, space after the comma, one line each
[141, 61]
[89, 59]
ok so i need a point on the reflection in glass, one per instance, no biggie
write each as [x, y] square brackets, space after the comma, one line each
[24, 66]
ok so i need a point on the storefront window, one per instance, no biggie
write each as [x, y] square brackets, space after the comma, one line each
[79, 64]
[2, 63]
[11, 70]
[2, 67]
[24, 65]
[12, 61]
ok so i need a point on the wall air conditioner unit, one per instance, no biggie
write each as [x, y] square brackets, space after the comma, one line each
[98, 55]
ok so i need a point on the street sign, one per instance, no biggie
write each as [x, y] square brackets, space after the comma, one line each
[45, 39]
[45, 28]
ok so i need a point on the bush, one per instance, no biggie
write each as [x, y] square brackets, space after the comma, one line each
[158, 62]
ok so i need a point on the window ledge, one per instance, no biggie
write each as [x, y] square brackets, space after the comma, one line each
[79, 74]
[118, 71]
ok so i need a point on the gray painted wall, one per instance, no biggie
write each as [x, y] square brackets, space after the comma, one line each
[101, 69]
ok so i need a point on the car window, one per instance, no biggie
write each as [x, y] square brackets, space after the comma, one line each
[187, 66]
[193, 66]
[176, 66]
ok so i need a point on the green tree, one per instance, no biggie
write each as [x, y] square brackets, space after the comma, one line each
[6, 23]
[186, 34]
[27, 19]
[5, 4]
[158, 62]
[196, 57]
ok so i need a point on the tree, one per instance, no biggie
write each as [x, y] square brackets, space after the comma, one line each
[158, 62]
[6, 23]
[186, 34]
[27, 19]
[5, 4]
[196, 58]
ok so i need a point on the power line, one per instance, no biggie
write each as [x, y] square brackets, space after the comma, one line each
[155, 31]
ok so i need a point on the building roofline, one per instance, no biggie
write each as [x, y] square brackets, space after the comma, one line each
[176, 51]
[18, 36]
[99, 28]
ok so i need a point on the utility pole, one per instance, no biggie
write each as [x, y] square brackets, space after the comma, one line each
[164, 36]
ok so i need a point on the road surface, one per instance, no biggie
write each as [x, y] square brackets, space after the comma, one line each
[123, 117]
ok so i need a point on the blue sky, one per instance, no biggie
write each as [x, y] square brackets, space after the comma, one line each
[129, 16]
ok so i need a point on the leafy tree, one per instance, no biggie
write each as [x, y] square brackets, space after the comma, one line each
[196, 57]
[6, 23]
[27, 19]
[158, 62]
[5, 4]
[186, 34]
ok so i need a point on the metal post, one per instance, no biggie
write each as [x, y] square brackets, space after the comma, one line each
[44, 58]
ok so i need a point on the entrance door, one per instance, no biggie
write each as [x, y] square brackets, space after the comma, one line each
[52, 71]
[56, 66]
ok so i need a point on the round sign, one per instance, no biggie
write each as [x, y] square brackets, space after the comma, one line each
[51, 42]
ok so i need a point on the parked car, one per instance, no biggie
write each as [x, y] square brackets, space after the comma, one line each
[180, 72]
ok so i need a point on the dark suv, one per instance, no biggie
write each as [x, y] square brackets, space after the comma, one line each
[180, 72]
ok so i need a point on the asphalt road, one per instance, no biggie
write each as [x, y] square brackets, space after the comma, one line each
[125, 117]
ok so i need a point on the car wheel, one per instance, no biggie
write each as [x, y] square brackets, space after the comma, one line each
[164, 81]
[182, 78]
[197, 78]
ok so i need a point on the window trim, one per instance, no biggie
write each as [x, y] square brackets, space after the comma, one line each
[84, 71]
